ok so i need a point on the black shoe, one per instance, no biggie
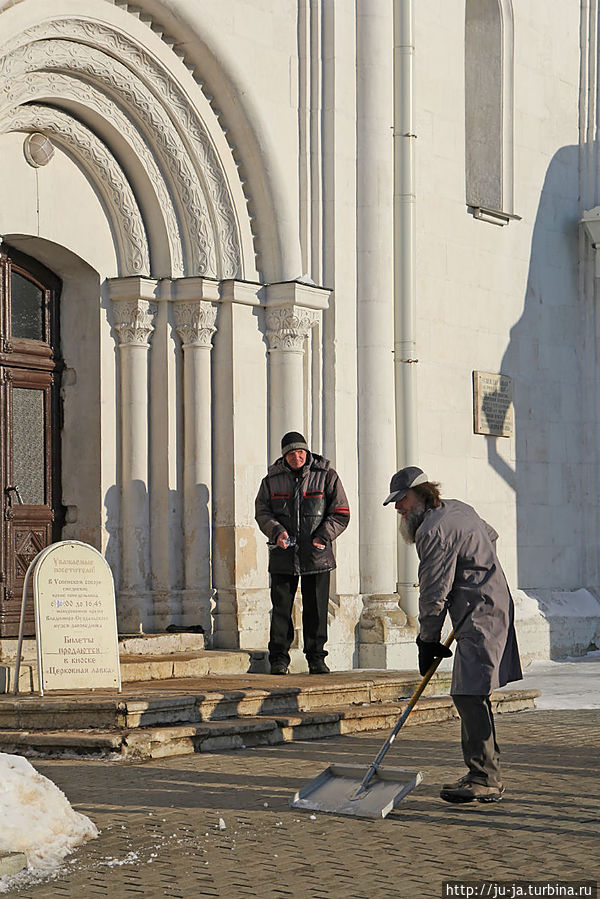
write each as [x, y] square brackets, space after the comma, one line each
[279, 668]
[318, 667]
[470, 791]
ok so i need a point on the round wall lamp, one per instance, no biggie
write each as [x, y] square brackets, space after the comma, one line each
[38, 149]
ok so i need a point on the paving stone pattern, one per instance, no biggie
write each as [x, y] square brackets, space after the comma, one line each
[160, 833]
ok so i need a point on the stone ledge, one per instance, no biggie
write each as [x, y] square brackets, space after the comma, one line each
[156, 703]
[209, 736]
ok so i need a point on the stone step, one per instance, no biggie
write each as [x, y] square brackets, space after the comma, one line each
[148, 660]
[161, 644]
[144, 743]
[190, 664]
[129, 644]
[215, 698]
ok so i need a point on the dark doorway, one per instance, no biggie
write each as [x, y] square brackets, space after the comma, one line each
[30, 368]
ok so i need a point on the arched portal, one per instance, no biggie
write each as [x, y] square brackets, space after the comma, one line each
[140, 210]
[144, 216]
[132, 118]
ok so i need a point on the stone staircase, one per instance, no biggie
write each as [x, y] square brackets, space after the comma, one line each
[210, 709]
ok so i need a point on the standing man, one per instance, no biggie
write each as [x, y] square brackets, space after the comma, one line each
[459, 573]
[301, 507]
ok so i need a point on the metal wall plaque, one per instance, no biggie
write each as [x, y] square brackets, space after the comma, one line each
[493, 411]
[76, 620]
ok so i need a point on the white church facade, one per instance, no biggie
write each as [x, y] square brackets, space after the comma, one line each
[372, 221]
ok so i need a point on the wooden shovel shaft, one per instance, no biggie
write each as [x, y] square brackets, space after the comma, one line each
[411, 704]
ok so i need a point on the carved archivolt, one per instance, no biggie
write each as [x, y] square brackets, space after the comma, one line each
[104, 170]
[38, 85]
[113, 77]
[162, 112]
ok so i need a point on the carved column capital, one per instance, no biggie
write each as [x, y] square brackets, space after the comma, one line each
[133, 321]
[195, 322]
[288, 326]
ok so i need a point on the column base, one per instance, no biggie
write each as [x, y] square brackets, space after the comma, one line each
[386, 636]
[135, 612]
[197, 607]
[242, 618]
[151, 612]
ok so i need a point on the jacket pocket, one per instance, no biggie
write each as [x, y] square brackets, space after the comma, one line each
[313, 509]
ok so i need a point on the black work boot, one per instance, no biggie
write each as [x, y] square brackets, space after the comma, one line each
[317, 666]
[466, 790]
[279, 668]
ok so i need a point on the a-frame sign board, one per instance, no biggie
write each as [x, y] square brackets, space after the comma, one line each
[75, 619]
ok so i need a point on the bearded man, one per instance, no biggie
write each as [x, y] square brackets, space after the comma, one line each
[459, 573]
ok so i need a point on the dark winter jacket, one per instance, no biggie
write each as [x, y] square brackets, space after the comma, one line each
[459, 572]
[308, 504]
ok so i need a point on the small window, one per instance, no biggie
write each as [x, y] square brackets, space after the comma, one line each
[27, 304]
[489, 109]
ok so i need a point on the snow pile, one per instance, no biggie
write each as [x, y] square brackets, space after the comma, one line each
[37, 818]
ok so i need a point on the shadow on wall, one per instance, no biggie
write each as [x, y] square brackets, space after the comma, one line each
[546, 358]
[112, 504]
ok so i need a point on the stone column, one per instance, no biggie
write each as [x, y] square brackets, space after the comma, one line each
[292, 309]
[133, 322]
[195, 317]
[383, 623]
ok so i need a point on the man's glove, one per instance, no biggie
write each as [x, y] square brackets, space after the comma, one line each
[430, 651]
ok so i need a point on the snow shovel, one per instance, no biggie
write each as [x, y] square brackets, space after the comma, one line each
[346, 790]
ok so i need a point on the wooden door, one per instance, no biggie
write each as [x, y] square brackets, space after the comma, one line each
[30, 367]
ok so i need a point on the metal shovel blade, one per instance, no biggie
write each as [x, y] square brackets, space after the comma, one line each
[338, 790]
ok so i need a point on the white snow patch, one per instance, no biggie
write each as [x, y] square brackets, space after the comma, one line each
[570, 683]
[130, 859]
[37, 818]
[222, 824]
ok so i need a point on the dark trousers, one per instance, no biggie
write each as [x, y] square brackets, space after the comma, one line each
[315, 601]
[478, 737]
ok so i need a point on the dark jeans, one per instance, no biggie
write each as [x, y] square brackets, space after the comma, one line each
[478, 738]
[315, 601]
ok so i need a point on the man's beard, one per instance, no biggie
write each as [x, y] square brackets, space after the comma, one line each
[410, 523]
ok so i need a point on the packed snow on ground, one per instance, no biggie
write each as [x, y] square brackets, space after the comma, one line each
[570, 683]
[37, 818]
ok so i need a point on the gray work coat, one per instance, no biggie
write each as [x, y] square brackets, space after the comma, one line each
[459, 572]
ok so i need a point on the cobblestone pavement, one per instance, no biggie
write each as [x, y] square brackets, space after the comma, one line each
[161, 834]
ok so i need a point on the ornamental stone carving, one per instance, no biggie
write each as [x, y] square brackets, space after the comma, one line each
[38, 85]
[103, 168]
[289, 326]
[143, 106]
[195, 323]
[149, 91]
[133, 321]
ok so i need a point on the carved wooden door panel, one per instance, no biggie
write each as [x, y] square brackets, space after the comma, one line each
[29, 427]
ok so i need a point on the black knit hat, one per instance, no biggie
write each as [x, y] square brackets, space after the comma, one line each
[293, 440]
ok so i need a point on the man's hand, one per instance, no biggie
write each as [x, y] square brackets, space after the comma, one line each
[318, 543]
[430, 651]
[283, 540]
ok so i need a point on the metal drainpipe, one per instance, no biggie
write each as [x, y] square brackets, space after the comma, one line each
[405, 350]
